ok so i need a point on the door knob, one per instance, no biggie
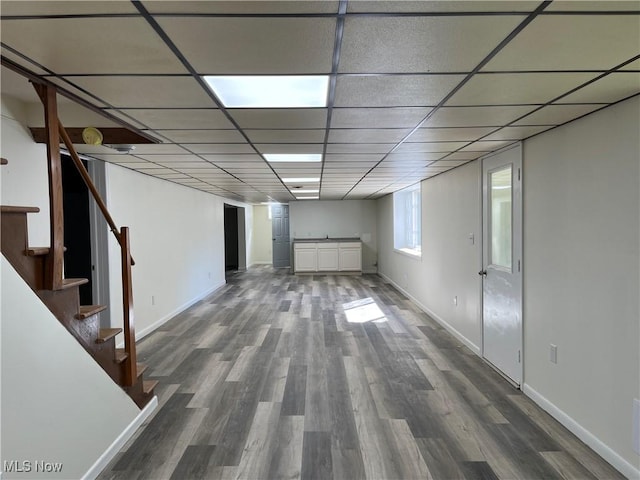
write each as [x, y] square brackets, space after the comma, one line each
[483, 273]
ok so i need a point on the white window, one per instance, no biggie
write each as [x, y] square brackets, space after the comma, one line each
[407, 236]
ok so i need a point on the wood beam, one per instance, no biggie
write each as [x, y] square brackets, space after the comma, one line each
[111, 136]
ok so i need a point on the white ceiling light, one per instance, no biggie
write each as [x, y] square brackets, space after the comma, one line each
[266, 91]
[301, 180]
[307, 198]
[293, 157]
[307, 191]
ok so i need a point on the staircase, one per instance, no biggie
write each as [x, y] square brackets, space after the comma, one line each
[62, 298]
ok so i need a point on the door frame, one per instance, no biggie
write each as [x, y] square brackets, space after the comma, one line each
[99, 231]
[517, 211]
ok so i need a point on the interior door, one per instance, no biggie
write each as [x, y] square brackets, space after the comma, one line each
[502, 261]
[280, 231]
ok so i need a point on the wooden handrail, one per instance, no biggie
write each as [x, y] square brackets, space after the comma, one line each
[127, 304]
[90, 185]
[55, 131]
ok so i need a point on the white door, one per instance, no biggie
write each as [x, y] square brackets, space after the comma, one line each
[280, 231]
[502, 261]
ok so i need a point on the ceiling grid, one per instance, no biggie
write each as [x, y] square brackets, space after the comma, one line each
[416, 88]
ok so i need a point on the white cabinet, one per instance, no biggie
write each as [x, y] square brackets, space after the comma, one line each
[305, 257]
[350, 257]
[328, 257]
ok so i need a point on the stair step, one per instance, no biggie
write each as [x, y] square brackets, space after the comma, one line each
[3, 161]
[121, 355]
[17, 209]
[148, 386]
[39, 251]
[107, 334]
[140, 368]
[73, 282]
[87, 311]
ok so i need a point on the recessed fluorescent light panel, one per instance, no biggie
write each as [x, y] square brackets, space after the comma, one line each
[293, 157]
[266, 91]
[307, 198]
[301, 180]
[304, 190]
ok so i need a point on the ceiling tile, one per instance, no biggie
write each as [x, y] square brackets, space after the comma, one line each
[203, 136]
[244, 7]
[289, 148]
[611, 88]
[592, 5]
[378, 117]
[557, 114]
[570, 42]
[286, 136]
[235, 158]
[218, 147]
[464, 134]
[146, 91]
[180, 118]
[253, 45]
[159, 148]
[429, 147]
[517, 88]
[359, 147]
[632, 66]
[105, 45]
[440, 6]
[415, 44]
[425, 157]
[279, 118]
[463, 156]
[515, 133]
[13, 8]
[169, 158]
[352, 157]
[488, 146]
[399, 90]
[367, 135]
[476, 116]
[449, 163]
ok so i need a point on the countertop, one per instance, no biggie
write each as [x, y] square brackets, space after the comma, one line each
[326, 240]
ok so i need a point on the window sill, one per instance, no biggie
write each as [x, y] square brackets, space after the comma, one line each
[408, 252]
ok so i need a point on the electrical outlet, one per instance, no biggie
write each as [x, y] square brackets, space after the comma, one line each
[472, 239]
[153, 300]
[209, 275]
[553, 353]
[455, 300]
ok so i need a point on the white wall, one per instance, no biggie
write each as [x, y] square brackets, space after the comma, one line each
[581, 268]
[177, 242]
[450, 261]
[262, 247]
[58, 405]
[337, 218]
[581, 256]
[24, 179]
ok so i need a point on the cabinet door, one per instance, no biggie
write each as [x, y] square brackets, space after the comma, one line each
[328, 259]
[305, 259]
[351, 259]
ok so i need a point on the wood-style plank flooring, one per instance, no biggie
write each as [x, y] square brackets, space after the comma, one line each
[333, 377]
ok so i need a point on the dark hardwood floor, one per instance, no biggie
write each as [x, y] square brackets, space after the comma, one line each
[334, 377]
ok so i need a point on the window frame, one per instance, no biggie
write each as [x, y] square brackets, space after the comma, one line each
[407, 215]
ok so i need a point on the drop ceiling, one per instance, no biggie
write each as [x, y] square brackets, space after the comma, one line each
[416, 87]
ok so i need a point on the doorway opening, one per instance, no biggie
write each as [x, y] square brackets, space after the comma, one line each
[77, 228]
[234, 239]
[86, 235]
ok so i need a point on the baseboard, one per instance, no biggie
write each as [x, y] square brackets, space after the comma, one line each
[472, 346]
[119, 442]
[583, 434]
[157, 324]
